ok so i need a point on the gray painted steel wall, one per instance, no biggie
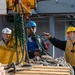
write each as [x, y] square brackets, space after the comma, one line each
[52, 6]
[3, 8]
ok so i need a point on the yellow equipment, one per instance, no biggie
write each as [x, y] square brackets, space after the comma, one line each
[27, 5]
[70, 29]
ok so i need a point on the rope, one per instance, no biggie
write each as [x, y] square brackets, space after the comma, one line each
[20, 35]
[35, 36]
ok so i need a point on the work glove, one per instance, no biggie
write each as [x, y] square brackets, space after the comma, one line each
[2, 71]
[37, 52]
[47, 35]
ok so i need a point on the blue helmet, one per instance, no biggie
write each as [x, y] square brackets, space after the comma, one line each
[31, 24]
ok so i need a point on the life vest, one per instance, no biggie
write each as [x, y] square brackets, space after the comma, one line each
[32, 44]
[70, 53]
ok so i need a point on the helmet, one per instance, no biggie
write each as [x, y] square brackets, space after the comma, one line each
[6, 31]
[31, 24]
[70, 29]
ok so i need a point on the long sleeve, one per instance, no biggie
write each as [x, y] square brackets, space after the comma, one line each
[58, 43]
